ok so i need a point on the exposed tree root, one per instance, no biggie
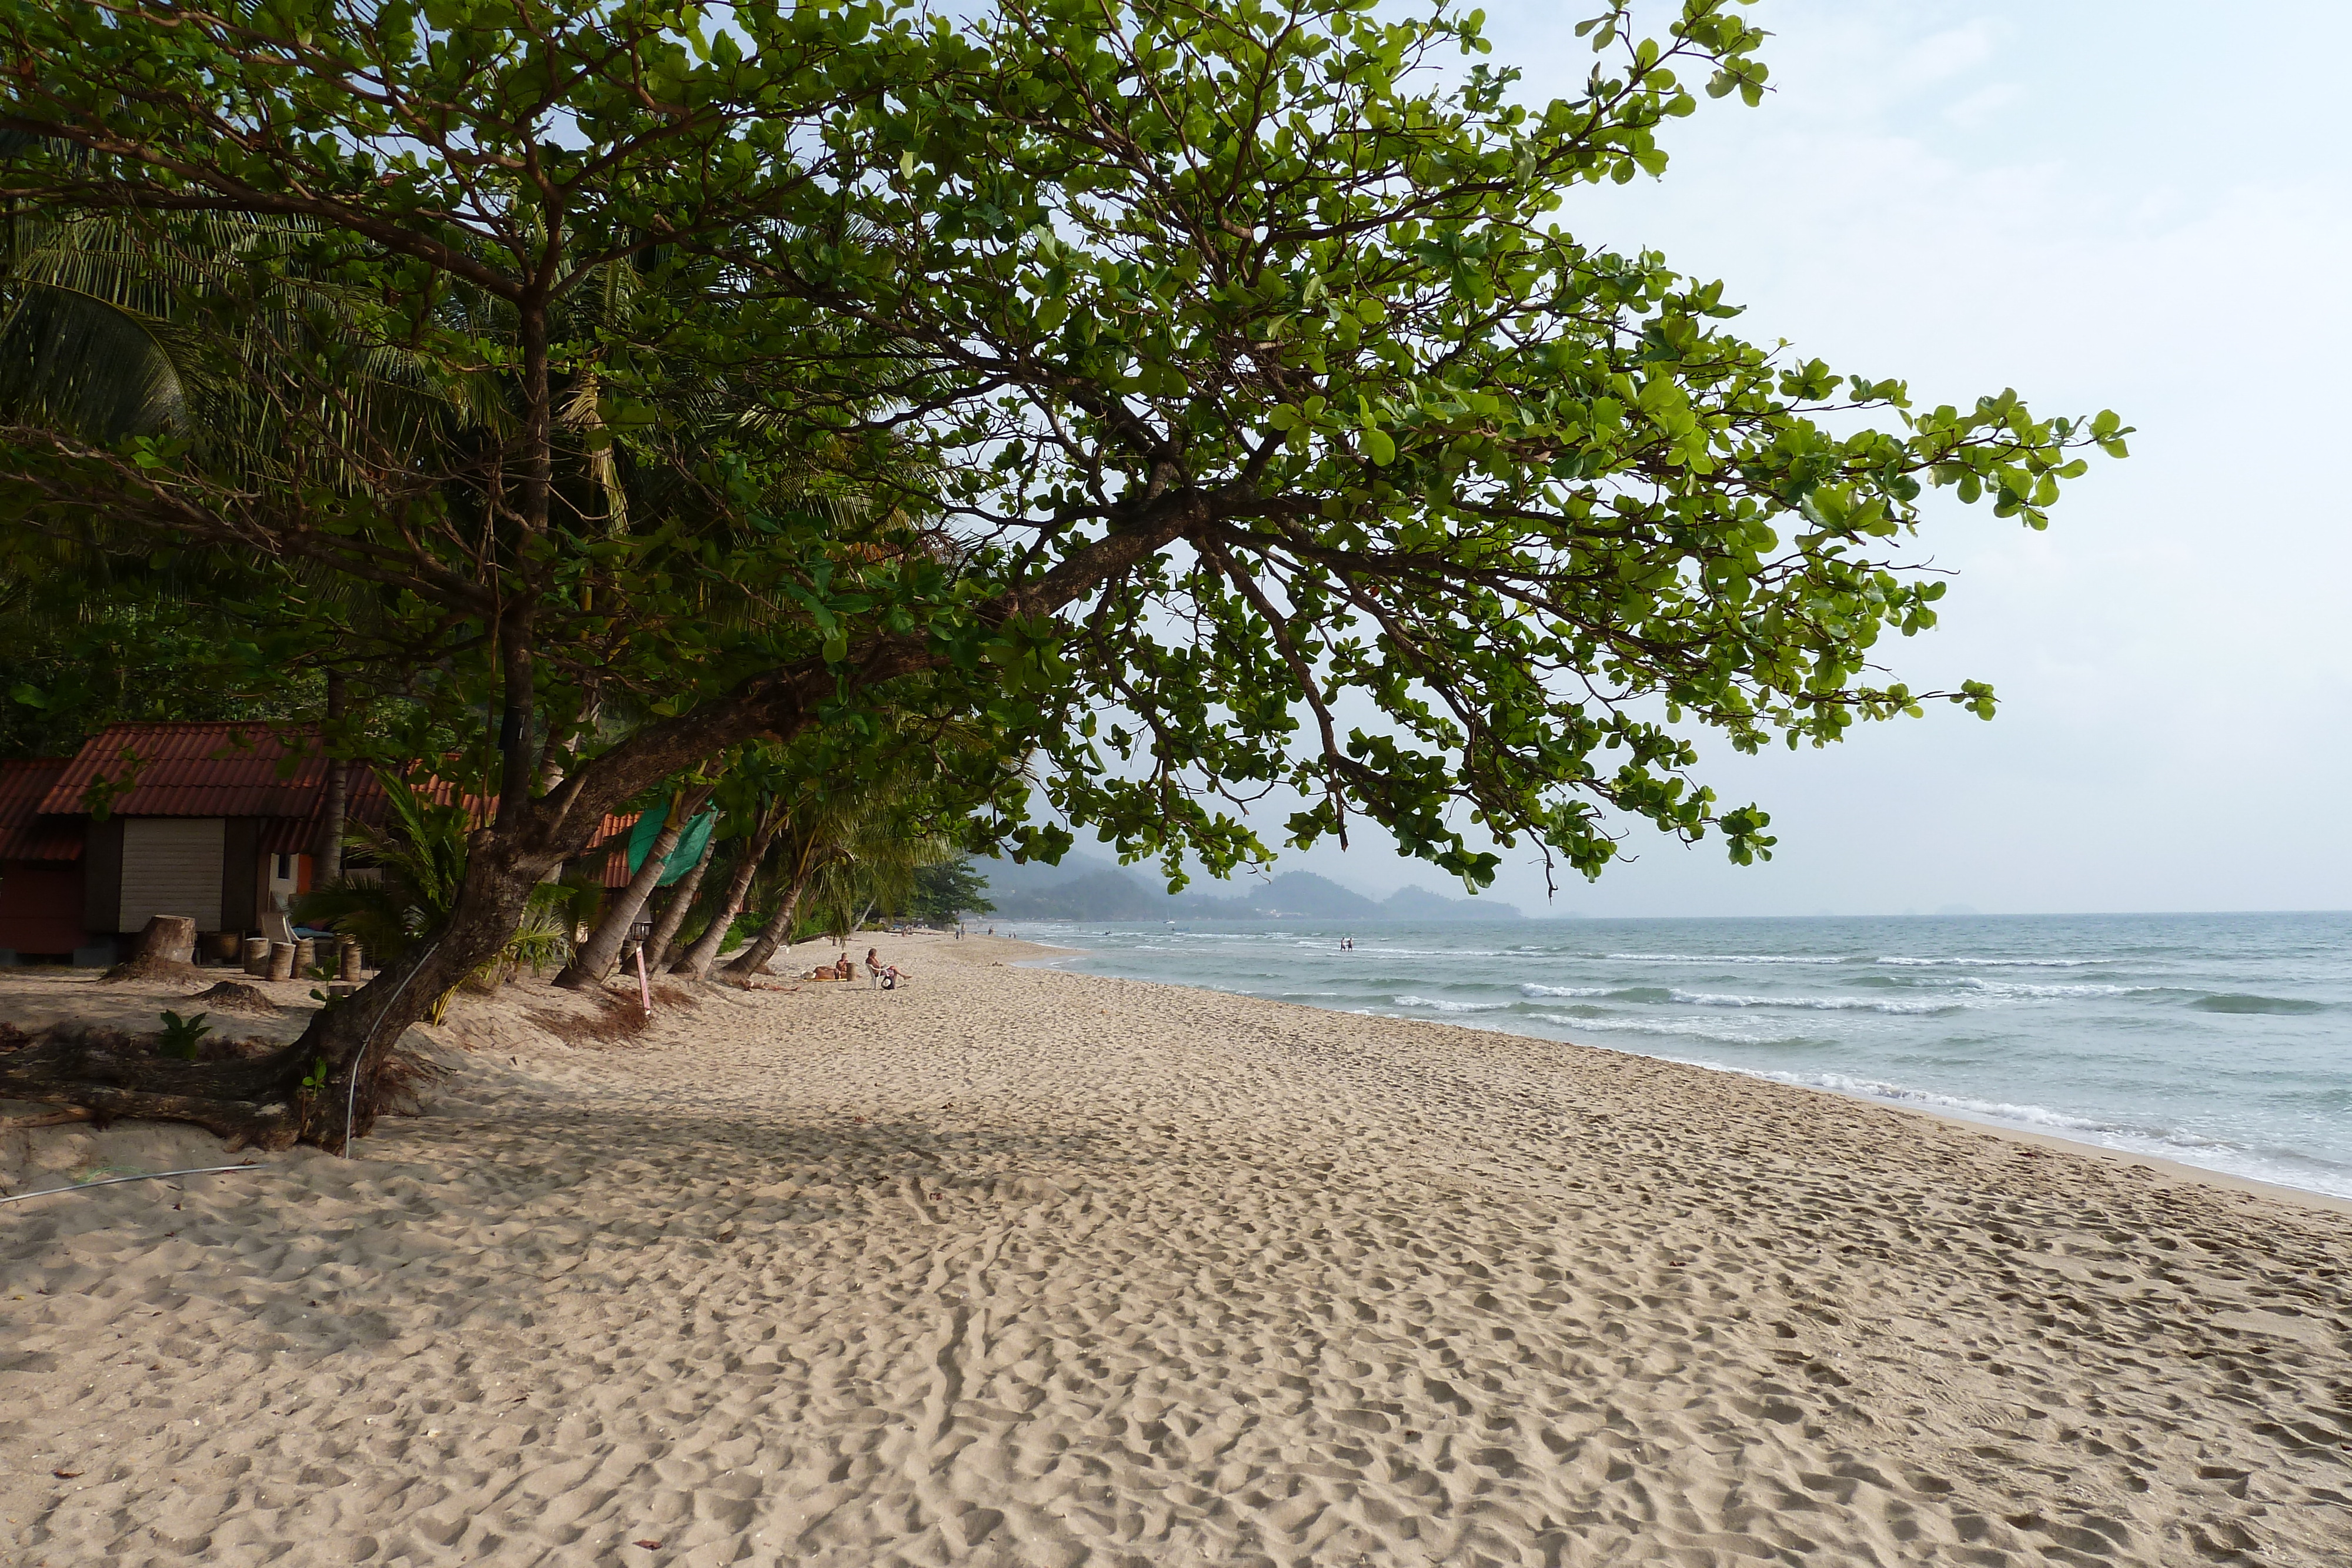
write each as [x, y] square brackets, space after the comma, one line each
[252, 1094]
[113, 1076]
[48, 1119]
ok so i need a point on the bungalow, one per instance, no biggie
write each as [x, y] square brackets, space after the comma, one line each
[217, 822]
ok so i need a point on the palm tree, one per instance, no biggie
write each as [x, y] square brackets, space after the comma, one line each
[844, 856]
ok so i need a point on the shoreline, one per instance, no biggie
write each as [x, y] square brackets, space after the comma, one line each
[2177, 1169]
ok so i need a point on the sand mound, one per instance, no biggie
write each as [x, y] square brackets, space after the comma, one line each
[237, 997]
[152, 969]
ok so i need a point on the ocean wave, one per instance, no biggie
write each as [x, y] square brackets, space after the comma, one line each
[1532, 990]
[2019, 989]
[1669, 1027]
[1437, 1004]
[1994, 963]
[2003, 1110]
[2289, 1006]
[1329, 944]
[1718, 958]
[1819, 1004]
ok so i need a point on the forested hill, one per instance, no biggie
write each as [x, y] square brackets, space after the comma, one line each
[1084, 888]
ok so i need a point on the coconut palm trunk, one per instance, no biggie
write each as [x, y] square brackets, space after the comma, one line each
[704, 953]
[602, 953]
[681, 905]
[777, 931]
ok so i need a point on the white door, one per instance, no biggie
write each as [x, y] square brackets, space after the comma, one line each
[172, 866]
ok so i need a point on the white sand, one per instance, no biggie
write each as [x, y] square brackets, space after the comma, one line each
[1014, 1267]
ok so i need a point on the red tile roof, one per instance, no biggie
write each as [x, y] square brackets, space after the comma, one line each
[191, 770]
[226, 771]
[24, 835]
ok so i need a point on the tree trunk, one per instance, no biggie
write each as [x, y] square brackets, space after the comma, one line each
[556, 759]
[705, 952]
[333, 811]
[773, 934]
[593, 962]
[681, 905]
[168, 938]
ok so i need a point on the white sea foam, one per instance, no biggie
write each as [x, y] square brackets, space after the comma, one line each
[2003, 1110]
[1684, 1028]
[2019, 989]
[1532, 990]
[1438, 1004]
[1822, 1004]
[1994, 963]
[1718, 958]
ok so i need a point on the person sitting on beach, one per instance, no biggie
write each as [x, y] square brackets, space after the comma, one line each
[843, 969]
[873, 966]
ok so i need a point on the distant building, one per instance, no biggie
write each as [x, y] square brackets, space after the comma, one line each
[217, 822]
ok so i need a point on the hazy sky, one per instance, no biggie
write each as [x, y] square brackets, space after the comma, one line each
[2147, 207]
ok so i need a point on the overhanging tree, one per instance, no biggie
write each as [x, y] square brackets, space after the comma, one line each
[1243, 343]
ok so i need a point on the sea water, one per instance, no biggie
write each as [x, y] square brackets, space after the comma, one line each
[2220, 1041]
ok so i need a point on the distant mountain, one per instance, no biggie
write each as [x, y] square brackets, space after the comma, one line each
[1293, 895]
[1105, 895]
[1420, 904]
[1083, 888]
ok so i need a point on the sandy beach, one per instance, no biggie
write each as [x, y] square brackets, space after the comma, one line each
[1014, 1267]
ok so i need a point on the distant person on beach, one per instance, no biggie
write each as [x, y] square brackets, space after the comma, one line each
[843, 969]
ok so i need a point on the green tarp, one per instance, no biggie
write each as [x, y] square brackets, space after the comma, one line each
[681, 859]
